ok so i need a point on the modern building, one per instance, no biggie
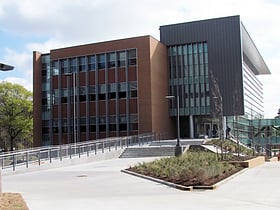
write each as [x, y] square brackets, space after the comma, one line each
[118, 88]
[108, 89]
[213, 66]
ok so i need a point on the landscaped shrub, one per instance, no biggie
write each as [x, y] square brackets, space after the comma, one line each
[196, 167]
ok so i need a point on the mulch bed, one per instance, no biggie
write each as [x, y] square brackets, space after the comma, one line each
[195, 182]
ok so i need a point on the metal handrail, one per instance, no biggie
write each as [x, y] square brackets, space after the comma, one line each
[61, 152]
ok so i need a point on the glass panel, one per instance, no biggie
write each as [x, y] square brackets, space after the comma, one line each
[101, 61]
[205, 47]
[92, 89]
[82, 63]
[73, 64]
[64, 66]
[131, 53]
[55, 69]
[91, 62]
[121, 58]
[200, 47]
[111, 60]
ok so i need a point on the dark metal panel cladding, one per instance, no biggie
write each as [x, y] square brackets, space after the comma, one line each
[223, 36]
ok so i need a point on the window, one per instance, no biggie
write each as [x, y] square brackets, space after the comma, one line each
[55, 126]
[102, 96]
[101, 61]
[82, 63]
[122, 94]
[112, 95]
[64, 95]
[121, 59]
[73, 64]
[92, 95]
[55, 69]
[112, 127]
[64, 126]
[83, 127]
[82, 95]
[55, 98]
[91, 62]
[111, 60]
[123, 127]
[132, 57]
[64, 66]
[133, 94]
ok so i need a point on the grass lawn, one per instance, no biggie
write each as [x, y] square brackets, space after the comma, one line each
[12, 201]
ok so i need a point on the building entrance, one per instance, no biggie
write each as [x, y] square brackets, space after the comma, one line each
[208, 129]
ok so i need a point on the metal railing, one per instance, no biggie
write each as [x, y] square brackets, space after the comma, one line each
[61, 152]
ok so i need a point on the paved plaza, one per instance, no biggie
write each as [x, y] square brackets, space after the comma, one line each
[100, 185]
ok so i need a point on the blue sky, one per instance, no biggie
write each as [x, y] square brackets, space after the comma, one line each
[41, 25]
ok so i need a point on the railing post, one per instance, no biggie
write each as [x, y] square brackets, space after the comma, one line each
[70, 151]
[102, 146]
[109, 145]
[95, 148]
[88, 148]
[50, 154]
[79, 148]
[60, 153]
[39, 157]
[3, 162]
[14, 162]
[27, 159]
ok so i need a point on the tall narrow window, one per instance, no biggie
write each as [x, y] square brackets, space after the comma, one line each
[91, 62]
[132, 57]
[82, 63]
[101, 61]
[111, 60]
[121, 58]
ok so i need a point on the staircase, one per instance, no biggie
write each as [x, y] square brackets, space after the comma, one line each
[137, 152]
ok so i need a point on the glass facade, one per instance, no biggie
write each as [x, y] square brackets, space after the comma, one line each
[189, 78]
[110, 98]
[253, 94]
[46, 99]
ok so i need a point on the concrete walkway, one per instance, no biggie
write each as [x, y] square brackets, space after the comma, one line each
[100, 185]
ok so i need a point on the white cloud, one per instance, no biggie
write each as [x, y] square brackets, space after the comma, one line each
[21, 81]
[72, 22]
[21, 61]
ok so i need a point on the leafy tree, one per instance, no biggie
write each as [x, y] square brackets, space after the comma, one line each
[16, 116]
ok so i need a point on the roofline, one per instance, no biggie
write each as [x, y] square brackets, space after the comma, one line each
[256, 60]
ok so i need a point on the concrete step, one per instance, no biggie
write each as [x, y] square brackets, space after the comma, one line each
[136, 152]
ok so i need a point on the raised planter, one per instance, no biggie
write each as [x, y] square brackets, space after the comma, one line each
[273, 159]
[250, 163]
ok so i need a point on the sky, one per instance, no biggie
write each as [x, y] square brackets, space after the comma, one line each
[42, 25]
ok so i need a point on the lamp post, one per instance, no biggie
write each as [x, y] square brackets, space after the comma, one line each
[4, 67]
[74, 106]
[178, 148]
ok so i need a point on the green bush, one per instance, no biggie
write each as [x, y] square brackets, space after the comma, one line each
[191, 165]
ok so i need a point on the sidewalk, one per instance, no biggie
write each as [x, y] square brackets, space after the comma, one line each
[100, 185]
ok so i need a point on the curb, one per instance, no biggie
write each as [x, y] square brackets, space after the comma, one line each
[169, 184]
[182, 187]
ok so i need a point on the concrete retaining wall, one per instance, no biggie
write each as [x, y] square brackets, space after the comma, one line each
[251, 163]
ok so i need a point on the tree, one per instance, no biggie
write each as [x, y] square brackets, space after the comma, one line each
[16, 116]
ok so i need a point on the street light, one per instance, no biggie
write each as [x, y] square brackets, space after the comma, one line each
[178, 148]
[5, 67]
